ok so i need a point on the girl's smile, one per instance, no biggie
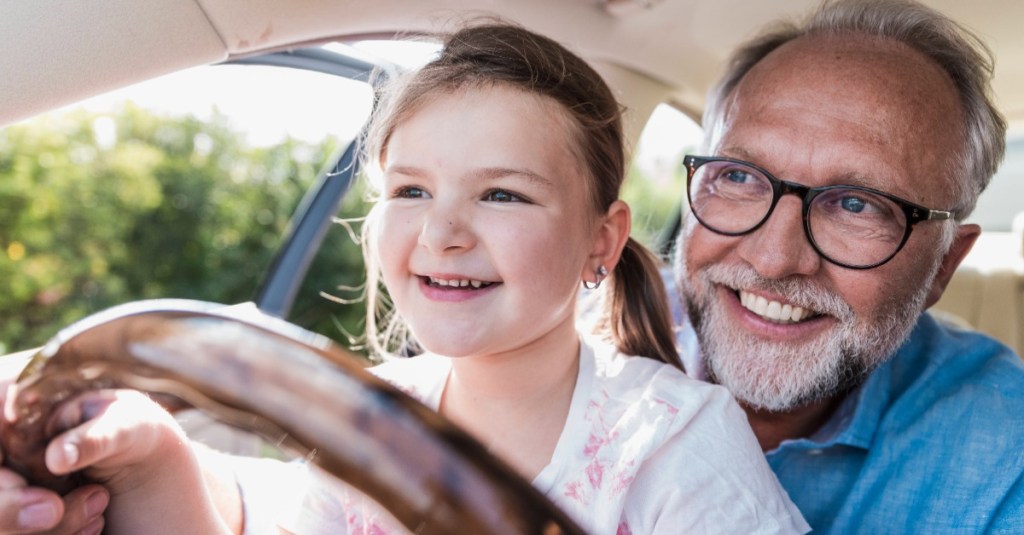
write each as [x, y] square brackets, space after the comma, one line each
[485, 230]
[454, 288]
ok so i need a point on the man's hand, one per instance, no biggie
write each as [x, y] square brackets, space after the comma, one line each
[25, 509]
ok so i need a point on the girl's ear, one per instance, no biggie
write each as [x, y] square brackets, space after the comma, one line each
[610, 239]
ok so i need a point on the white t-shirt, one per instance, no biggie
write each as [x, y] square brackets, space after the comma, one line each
[644, 450]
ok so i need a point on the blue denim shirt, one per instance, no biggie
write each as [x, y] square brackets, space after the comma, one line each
[932, 442]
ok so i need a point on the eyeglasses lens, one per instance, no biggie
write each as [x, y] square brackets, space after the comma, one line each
[847, 225]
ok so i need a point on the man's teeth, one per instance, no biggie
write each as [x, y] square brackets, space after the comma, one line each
[458, 283]
[773, 310]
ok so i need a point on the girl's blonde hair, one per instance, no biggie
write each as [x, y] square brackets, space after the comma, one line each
[635, 313]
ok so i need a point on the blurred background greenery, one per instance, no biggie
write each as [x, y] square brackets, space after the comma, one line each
[98, 209]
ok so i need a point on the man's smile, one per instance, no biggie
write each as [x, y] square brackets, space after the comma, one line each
[774, 311]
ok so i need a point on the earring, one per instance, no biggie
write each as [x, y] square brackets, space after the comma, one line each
[599, 274]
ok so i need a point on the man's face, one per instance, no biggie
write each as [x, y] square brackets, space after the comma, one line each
[822, 111]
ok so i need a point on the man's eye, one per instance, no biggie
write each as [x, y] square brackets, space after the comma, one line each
[500, 195]
[409, 192]
[853, 204]
[736, 175]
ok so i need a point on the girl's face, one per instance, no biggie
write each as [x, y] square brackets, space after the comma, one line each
[484, 227]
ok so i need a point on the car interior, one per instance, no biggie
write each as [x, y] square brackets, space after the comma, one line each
[660, 57]
[655, 54]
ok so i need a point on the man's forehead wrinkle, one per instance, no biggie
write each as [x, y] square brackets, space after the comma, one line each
[855, 68]
[904, 129]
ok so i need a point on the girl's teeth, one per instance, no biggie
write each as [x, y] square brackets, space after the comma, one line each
[458, 283]
[772, 310]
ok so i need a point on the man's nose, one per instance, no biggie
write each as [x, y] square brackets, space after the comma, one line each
[445, 229]
[779, 247]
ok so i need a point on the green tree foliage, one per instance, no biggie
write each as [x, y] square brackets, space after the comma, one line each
[654, 201]
[102, 209]
[98, 210]
[330, 298]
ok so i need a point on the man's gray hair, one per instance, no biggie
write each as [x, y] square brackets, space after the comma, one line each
[957, 50]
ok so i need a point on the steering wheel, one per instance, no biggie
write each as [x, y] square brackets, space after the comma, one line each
[289, 386]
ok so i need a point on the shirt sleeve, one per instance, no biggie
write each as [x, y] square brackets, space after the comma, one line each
[270, 491]
[331, 507]
[1009, 518]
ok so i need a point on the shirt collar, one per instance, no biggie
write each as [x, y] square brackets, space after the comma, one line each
[857, 419]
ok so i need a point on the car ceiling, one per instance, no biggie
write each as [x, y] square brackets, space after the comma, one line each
[57, 52]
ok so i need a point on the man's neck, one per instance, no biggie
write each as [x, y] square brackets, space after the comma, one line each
[771, 428]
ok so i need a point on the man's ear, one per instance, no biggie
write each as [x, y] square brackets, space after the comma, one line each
[611, 237]
[966, 235]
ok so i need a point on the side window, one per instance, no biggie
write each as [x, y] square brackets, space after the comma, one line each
[999, 212]
[1000, 203]
[179, 187]
[655, 185]
[330, 299]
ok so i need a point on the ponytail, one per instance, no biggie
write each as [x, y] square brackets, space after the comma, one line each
[636, 312]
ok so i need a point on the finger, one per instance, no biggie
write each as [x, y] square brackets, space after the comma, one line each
[62, 454]
[80, 409]
[9, 391]
[10, 479]
[121, 428]
[83, 510]
[94, 527]
[29, 510]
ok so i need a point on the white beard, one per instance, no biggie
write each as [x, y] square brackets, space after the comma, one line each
[779, 377]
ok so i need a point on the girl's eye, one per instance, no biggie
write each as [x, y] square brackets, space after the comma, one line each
[409, 192]
[500, 195]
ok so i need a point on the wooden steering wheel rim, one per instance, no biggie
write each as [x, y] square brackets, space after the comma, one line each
[259, 373]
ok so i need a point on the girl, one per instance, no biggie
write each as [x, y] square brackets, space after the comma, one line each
[499, 166]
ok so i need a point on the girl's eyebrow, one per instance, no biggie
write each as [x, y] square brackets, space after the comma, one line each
[485, 173]
[405, 170]
[494, 173]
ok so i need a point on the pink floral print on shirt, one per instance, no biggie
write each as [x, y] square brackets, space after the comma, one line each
[614, 451]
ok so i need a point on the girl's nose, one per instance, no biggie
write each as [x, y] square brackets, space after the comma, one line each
[445, 230]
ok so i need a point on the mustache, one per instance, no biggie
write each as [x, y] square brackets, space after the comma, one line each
[798, 291]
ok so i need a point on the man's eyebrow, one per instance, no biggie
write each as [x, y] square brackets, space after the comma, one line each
[739, 153]
[853, 178]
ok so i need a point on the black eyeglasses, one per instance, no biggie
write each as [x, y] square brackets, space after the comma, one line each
[850, 226]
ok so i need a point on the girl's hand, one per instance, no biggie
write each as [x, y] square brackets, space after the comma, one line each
[121, 439]
[134, 448]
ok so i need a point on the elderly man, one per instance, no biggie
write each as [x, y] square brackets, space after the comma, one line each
[844, 156]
